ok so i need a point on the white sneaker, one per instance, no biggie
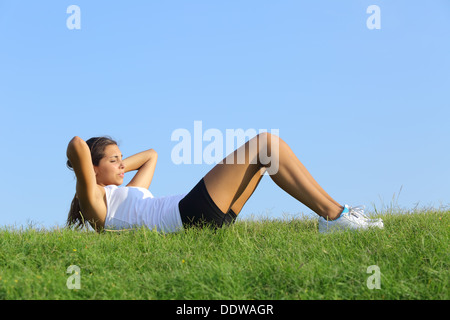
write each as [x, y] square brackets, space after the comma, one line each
[350, 218]
[360, 210]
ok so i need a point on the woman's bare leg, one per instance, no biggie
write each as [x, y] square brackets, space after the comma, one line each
[238, 204]
[311, 179]
[251, 187]
[228, 180]
[254, 182]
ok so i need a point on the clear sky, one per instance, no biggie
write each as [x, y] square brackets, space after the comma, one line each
[366, 110]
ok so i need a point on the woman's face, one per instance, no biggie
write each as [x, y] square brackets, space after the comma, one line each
[110, 169]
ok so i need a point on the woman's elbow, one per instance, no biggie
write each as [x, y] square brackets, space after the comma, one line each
[153, 153]
[74, 146]
[76, 140]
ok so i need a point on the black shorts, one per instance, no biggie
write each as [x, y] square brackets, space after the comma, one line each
[197, 208]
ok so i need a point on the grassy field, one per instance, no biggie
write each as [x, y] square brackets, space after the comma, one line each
[269, 259]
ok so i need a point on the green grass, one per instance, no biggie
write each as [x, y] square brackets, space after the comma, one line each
[266, 259]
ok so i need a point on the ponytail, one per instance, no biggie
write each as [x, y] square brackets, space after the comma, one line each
[75, 217]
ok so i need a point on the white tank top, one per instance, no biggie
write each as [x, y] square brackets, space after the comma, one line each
[129, 207]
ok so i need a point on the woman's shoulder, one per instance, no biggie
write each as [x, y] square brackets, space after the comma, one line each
[94, 206]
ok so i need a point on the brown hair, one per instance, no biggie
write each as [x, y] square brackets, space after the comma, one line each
[97, 147]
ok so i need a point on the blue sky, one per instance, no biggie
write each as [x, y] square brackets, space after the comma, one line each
[366, 111]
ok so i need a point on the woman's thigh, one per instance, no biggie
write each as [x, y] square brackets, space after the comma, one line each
[229, 179]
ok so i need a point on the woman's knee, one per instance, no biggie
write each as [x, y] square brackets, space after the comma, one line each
[267, 139]
[268, 153]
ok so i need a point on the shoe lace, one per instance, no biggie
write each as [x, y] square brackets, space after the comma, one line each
[358, 211]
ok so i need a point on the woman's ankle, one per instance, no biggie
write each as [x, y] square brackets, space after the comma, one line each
[334, 213]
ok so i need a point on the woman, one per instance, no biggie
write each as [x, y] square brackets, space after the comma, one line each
[216, 200]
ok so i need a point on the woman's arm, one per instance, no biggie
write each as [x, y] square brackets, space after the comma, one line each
[145, 163]
[79, 156]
